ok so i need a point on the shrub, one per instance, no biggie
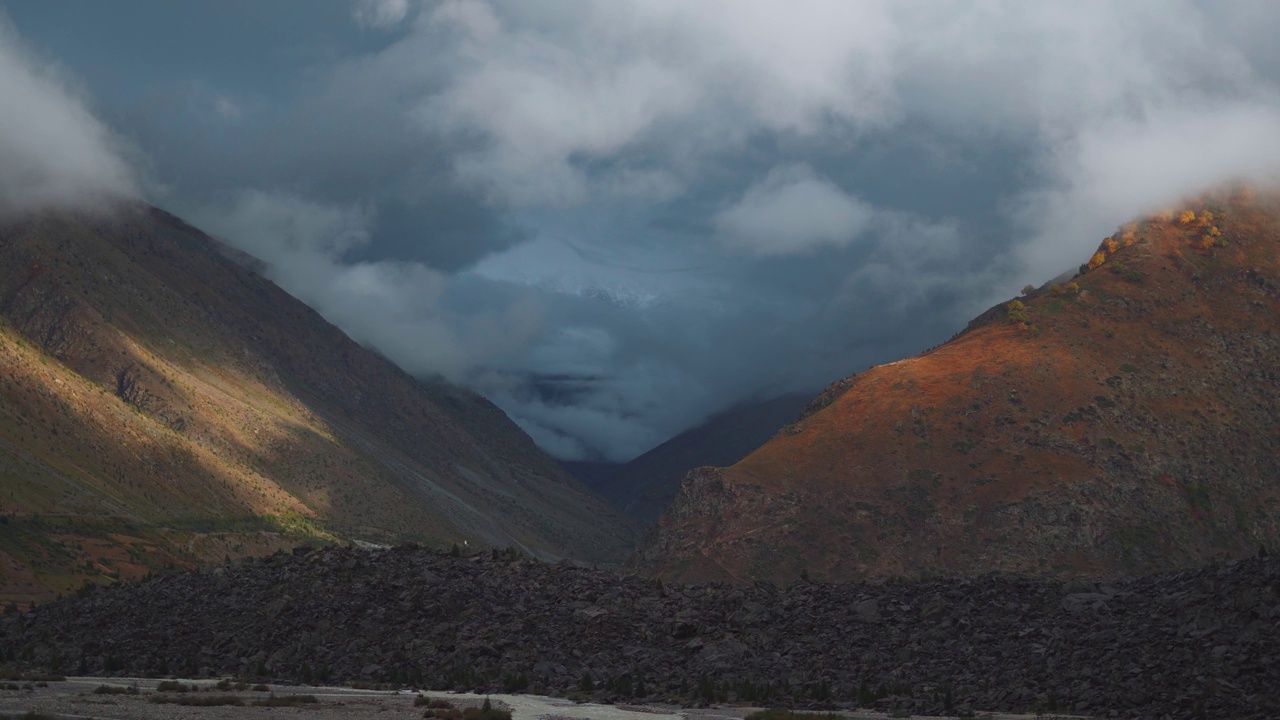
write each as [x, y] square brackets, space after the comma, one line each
[115, 690]
[488, 712]
[286, 701]
[779, 713]
[174, 686]
[1187, 217]
[197, 700]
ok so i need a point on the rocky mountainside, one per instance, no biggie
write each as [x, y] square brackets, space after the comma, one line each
[1201, 643]
[645, 486]
[161, 403]
[1125, 421]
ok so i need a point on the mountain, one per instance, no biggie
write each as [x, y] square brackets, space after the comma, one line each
[645, 486]
[161, 403]
[1126, 421]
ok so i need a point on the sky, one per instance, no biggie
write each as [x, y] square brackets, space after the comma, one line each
[616, 218]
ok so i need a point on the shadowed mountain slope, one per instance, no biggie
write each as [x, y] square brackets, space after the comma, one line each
[1126, 421]
[645, 486]
[161, 403]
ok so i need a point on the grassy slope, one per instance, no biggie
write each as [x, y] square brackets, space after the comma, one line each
[151, 389]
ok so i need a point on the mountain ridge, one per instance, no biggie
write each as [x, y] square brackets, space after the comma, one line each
[147, 372]
[1123, 422]
[643, 487]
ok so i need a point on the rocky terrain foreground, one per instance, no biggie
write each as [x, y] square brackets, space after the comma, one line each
[1200, 643]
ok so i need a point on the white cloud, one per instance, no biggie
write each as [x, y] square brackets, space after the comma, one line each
[550, 89]
[276, 226]
[380, 14]
[1007, 137]
[53, 151]
[1121, 170]
[793, 210]
[391, 305]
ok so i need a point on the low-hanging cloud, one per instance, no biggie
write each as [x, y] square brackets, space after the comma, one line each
[381, 14]
[617, 218]
[53, 151]
[793, 210]
[1134, 166]
[395, 306]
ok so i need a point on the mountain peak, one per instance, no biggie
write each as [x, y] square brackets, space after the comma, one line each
[1122, 421]
[163, 404]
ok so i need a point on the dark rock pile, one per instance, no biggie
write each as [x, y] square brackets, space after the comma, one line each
[1202, 643]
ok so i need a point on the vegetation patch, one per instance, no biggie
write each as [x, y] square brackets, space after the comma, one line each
[197, 700]
[175, 687]
[286, 701]
[116, 690]
[779, 713]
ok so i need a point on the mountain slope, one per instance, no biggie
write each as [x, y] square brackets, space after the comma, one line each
[161, 404]
[645, 486]
[1127, 422]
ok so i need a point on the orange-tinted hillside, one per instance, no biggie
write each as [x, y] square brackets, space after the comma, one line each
[1126, 421]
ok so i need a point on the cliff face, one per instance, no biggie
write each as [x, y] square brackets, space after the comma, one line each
[161, 403]
[1126, 421]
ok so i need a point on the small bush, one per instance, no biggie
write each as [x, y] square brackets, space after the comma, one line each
[424, 701]
[444, 714]
[779, 713]
[115, 690]
[197, 700]
[175, 686]
[487, 713]
[260, 687]
[286, 701]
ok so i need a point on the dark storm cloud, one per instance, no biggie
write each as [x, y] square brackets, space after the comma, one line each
[616, 218]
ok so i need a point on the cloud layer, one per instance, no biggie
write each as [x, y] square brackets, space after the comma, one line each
[52, 150]
[616, 218]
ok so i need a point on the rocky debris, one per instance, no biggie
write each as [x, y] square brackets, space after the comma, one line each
[1200, 643]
